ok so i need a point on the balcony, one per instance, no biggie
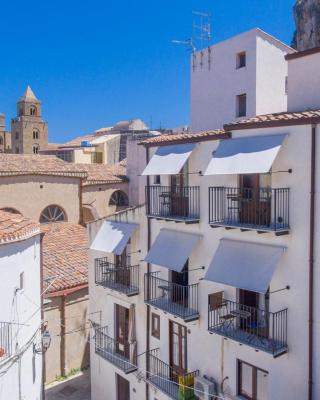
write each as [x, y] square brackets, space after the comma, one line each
[120, 279]
[262, 330]
[178, 300]
[174, 203]
[166, 379]
[263, 210]
[5, 340]
[122, 355]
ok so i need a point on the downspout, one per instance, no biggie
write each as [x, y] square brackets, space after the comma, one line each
[148, 286]
[42, 316]
[63, 336]
[311, 259]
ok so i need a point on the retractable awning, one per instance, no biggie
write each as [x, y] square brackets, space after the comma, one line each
[248, 155]
[169, 160]
[244, 265]
[172, 249]
[113, 237]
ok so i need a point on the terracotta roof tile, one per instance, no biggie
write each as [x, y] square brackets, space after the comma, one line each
[25, 164]
[15, 227]
[65, 255]
[105, 173]
[183, 137]
[277, 119]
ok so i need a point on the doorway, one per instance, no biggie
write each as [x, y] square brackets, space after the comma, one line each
[180, 293]
[177, 350]
[122, 270]
[122, 330]
[179, 193]
[123, 388]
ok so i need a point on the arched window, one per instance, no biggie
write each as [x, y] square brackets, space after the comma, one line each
[119, 199]
[35, 134]
[36, 149]
[11, 210]
[33, 110]
[52, 213]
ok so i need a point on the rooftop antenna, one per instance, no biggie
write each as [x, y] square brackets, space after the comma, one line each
[187, 42]
[201, 28]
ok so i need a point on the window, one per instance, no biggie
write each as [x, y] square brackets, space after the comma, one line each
[35, 134]
[241, 105]
[119, 199]
[156, 180]
[252, 382]
[17, 135]
[65, 155]
[241, 59]
[21, 281]
[52, 213]
[1, 140]
[33, 110]
[155, 325]
[36, 149]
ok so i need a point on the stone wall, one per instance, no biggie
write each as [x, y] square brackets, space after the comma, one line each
[307, 19]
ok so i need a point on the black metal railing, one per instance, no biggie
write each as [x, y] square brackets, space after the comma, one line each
[178, 300]
[122, 354]
[5, 340]
[260, 209]
[177, 385]
[263, 330]
[173, 202]
[123, 279]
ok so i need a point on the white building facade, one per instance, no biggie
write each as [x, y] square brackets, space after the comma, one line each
[225, 300]
[20, 314]
[240, 77]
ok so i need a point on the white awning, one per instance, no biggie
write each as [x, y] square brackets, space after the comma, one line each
[248, 155]
[169, 160]
[244, 265]
[172, 249]
[113, 237]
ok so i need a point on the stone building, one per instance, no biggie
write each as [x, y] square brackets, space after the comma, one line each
[29, 131]
[5, 136]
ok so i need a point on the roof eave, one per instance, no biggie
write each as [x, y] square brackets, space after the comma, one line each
[195, 139]
[272, 124]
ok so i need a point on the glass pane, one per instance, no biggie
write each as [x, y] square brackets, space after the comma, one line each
[175, 350]
[246, 380]
[262, 385]
[265, 181]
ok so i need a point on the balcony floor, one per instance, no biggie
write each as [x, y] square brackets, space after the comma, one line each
[120, 287]
[276, 348]
[169, 388]
[176, 309]
[176, 218]
[117, 359]
[277, 229]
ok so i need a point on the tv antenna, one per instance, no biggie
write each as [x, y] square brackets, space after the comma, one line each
[201, 32]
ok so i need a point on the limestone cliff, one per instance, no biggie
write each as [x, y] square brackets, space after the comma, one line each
[307, 19]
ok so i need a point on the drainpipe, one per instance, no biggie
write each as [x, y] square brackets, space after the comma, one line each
[63, 336]
[42, 316]
[311, 259]
[80, 202]
[148, 286]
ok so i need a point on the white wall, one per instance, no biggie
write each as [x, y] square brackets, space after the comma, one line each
[21, 307]
[304, 83]
[136, 162]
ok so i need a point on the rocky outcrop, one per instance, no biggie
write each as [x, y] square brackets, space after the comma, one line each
[307, 19]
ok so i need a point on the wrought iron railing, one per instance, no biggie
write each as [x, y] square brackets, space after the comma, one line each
[122, 354]
[173, 202]
[177, 385]
[5, 340]
[260, 209]
[178, 300]
[123, 279]
[263, 330]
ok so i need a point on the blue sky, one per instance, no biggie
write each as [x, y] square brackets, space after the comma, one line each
[95, 62]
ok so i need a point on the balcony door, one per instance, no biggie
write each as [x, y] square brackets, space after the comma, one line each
[256, 306]
[255, 199]
[122, 273]
[177, 349]
[179, 292]
[179, 193]
[122, 330]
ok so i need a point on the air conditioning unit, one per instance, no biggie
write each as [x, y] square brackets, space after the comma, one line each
[205, 389]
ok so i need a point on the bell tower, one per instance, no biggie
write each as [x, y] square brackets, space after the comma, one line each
[29, 132]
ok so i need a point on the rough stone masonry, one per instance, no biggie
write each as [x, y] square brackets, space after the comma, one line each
[307, 19]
